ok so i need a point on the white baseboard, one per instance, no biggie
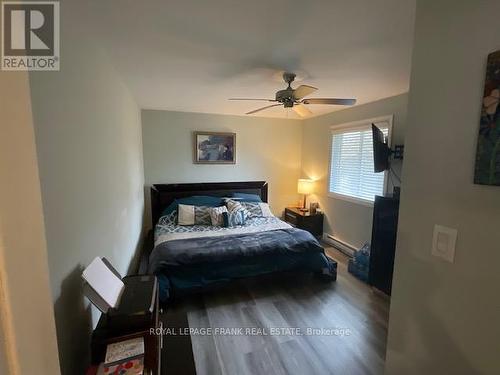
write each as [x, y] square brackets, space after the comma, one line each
[342, 246]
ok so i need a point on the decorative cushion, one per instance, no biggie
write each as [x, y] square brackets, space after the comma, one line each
[234, 218]
[202, 215]
[259, 209]
[191, 215]
[170, 219]
[216, 215]
[233, 205]
[237, 214]
[185, 215]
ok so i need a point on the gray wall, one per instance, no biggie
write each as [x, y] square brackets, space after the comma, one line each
[27, 330]
[348, 221]
[89, 149]
[445, 317]
[266, 149]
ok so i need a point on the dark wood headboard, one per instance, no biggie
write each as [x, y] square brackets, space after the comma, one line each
[164, 194]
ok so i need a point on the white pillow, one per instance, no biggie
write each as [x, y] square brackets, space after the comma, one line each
[185, 215]
[216, 215]
[266, 211]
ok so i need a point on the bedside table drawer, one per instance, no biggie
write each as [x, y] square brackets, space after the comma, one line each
[291, 217]
[304, 220]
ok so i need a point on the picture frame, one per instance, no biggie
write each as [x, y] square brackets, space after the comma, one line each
[214, 147]
[313, 207]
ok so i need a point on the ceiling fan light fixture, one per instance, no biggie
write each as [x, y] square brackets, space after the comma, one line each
[294, 98]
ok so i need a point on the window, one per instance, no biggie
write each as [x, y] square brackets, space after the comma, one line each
[351, 161]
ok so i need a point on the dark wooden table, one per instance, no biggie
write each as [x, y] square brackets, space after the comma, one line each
[313, 223]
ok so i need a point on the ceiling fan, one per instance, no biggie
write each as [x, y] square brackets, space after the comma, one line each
[294, 98]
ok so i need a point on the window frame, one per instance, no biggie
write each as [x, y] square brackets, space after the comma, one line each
[357, 125]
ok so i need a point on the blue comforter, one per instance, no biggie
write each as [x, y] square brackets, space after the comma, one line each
[232, 247]
[184, 264]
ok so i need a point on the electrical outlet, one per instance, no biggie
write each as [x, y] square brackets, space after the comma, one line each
[444, 241]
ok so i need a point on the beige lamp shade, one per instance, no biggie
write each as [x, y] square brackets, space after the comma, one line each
[305, 186]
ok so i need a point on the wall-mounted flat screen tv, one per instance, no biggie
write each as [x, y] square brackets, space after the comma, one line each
[381, 151]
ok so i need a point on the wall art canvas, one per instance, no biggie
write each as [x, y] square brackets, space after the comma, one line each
[214, 148]
[488, 145]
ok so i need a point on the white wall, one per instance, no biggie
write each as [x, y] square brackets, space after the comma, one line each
[347, 221]
[445, 317]
[88, 138]
[27, 330]
[266, 149]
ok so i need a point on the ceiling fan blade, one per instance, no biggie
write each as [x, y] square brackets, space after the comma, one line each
[303, 90]
[333, 101]
[302, 110]
[261, 109]
[265, 100]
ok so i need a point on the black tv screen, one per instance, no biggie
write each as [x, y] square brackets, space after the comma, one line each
[380, 150]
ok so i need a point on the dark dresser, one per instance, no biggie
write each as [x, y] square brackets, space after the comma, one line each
[383, 246]
[313, 223]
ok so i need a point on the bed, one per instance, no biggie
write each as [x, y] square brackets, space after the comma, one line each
[189, 258]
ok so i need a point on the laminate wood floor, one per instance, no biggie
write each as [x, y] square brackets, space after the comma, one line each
[275, 316]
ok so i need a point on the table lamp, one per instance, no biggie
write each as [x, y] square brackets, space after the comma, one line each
[305, 186]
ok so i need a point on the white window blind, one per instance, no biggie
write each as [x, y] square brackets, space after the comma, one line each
[351, 164]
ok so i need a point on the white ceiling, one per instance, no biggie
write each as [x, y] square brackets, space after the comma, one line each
[193, 55]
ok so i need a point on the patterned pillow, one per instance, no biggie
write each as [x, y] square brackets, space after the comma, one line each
[234, 218]
[170, 219]
[202, 215]
[257, 209]
[237, 214]
[216, 215]
[193, 215]
[233, 205]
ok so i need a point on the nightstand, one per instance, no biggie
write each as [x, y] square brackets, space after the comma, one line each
[313, 223]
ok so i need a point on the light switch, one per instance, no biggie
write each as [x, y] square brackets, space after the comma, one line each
[443, 242]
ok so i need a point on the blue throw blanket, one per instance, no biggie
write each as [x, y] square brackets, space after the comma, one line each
[187, 264]
[216, 249]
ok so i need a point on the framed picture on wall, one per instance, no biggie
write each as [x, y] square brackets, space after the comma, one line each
[214, 148]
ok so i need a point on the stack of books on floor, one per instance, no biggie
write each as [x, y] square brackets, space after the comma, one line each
[124, 358]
